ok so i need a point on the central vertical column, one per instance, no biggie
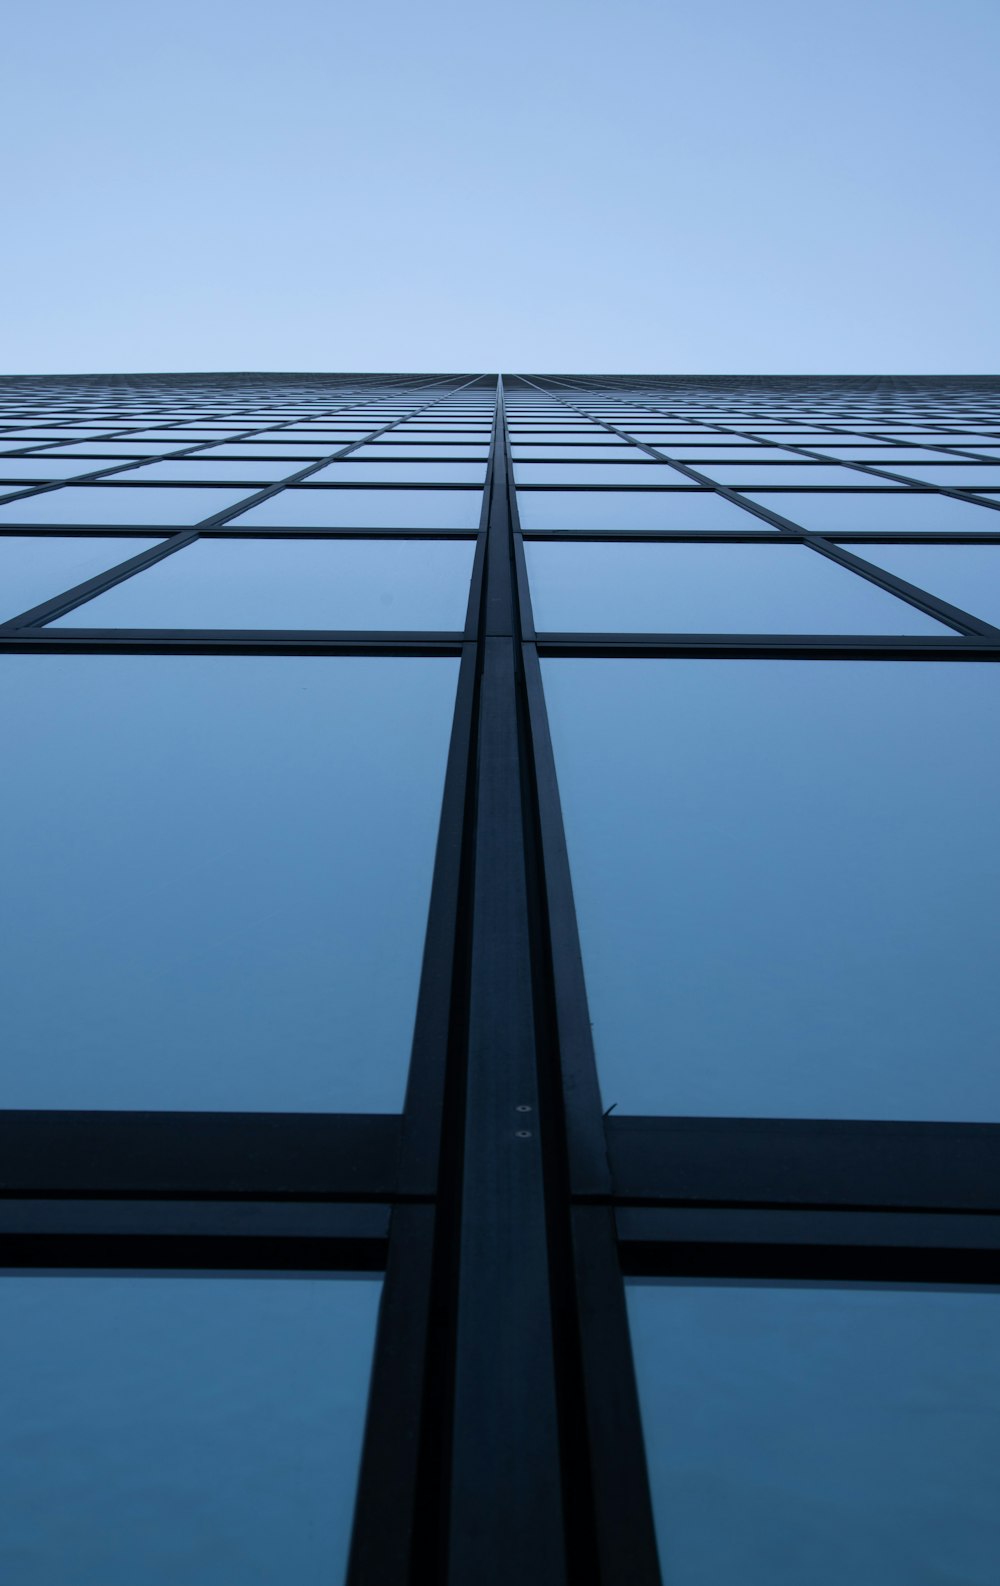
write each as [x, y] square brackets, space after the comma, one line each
[506, 1525]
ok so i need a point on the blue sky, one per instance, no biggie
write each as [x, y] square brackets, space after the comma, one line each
[542, 185]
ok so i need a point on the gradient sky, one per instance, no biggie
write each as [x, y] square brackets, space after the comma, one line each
[542, 185]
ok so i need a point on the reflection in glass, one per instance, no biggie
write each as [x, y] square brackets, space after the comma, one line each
[645, 473]
[366, 509]
[896, 512]
[823, 1433]
[754, 474]
[222, 868]
[169, 1428]
[688, 511]
[293, 584]
[36, 567]
[98, 504]
[966, 575]
[399, 473]
[701, 588]
[785, 875]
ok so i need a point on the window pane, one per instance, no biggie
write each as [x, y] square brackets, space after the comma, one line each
[35, 469]
[293, 584]
[823, 1433]
[634, 512]
[306, 451]
[422, 450]
[966, 575]
[955, 476]
[222, 867]
[179, 1427]
[201, 469]
[785, 876]
[125, 449]
[647, 473]
[36, 567]
[618, 452]
[755, 473]
[902, 512]
[97, 504]
[366, 509]
[699, 588]
[393, 473]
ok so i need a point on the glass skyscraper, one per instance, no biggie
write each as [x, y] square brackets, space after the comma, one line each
[500, 1014]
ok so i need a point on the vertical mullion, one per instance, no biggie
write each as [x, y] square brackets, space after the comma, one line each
[505, 1520]
[609, 1470]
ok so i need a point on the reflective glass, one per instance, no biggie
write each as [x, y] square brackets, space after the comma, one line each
[966, 575]
[308, 451]
[222, 867]
[882, 456]
[293, 584]
[647, 473]
[117, 448]
[903, 512]
[791, 474]
[169, 1427]
[393, 473]
[634, 512]
[699, 588]
[194, 470]
[41, 468]
[785, 875]
[740, 454]
[423, 450]
[580, 454]
[822, 1433]
[99, 504]
[36, 567]
[366, 509]
[955, 476]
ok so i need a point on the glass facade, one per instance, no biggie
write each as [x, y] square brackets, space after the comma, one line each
[498, 979]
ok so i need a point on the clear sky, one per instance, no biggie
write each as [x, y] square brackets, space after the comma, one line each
[728, 185]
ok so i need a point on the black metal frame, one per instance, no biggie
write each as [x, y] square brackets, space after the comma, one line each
[504, 1439]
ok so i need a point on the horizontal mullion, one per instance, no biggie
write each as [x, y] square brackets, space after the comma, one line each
[228, 641]
[881, 1247]
[195, 1219]
[191, 1156]
[792, 646]
[805, 1163]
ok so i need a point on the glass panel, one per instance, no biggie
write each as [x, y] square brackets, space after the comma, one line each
[633, 512]
[823, 1433]
[43, 468]
[685, 588]
[390, 473]
[366, 509]
[99, 504]
[754, 474]
[222, 867]
[903, 512]
[747, 453]
[35, 567]
[883, 456]
[966, 575]
[647, 473]
[117, 448]
[954, 476]
[422, 449]
[176, 1427]
[194, 470]
[785, 877]
[293, 584]
[579, 454]
[306, 450]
